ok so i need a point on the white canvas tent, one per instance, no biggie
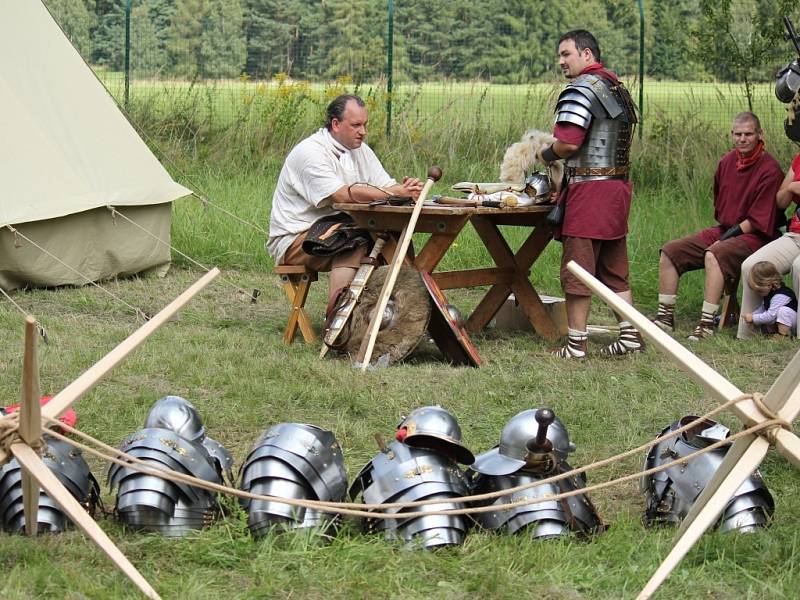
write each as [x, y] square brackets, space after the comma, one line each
[67, 152]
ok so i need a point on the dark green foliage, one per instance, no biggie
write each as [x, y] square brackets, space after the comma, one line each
[76, 18]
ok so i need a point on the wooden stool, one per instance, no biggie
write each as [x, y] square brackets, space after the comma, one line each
[296, 282]
[729, 307]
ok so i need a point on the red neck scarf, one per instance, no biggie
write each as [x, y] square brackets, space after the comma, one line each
[743, 162]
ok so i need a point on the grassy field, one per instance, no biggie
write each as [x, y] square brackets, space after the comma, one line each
[226, 356]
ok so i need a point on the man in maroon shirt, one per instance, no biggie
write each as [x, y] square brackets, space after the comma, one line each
[595, 117]
[745, 186]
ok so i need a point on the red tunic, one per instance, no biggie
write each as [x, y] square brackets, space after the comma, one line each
[746, 194]
[599, 209]
[794, 224]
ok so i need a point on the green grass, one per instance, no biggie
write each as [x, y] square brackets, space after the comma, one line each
[226, 356]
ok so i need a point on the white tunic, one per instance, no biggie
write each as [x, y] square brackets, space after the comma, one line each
[315, 169]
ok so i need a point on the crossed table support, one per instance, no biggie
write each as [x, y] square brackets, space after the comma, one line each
[511, 271]
[746, 453]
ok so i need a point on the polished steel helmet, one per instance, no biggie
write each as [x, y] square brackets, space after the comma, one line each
[433, 428]
[178, 415]
[538, 185]
[787, 82]
[670, 493]
[514, 451]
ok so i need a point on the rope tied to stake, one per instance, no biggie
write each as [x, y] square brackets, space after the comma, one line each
[770, 432]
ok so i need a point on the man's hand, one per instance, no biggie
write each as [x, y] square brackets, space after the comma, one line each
[412, 187]
[748, 318]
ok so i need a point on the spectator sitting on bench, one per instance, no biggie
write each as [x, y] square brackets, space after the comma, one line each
[332, 165]
[745, 184]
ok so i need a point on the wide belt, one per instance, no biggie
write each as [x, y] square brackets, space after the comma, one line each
[597, 171]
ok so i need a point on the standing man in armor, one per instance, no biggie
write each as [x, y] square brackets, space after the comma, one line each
[745, 186]
[594, 123]
[332, 165]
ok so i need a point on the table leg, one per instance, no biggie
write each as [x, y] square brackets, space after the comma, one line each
[524, 291]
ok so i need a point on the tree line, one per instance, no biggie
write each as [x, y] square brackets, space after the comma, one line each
[503, 41]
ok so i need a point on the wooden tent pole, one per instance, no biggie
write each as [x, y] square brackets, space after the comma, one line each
[30, 423]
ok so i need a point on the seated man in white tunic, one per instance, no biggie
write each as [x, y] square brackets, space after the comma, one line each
[332, 165]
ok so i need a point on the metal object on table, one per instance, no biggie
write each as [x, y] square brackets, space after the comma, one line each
[404, 322]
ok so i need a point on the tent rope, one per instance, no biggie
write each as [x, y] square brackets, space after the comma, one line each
[115, 213]
[39, 327]
[207, 202]
[138, 311]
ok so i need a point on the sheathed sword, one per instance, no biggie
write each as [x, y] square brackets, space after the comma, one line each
[344, 308]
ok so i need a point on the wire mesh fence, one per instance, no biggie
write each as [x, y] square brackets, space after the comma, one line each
[688, 60]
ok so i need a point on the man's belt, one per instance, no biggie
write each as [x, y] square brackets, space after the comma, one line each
[597, 171]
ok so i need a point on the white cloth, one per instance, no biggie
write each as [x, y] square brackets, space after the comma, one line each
[315, 169]
[784, 253]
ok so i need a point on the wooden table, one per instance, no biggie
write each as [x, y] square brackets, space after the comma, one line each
[510, 273]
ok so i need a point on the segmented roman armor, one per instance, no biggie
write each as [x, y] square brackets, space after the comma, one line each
[173, 438]
[520, 460]
[71, 469]
[401, 473]
[607, 112]
[294, 461]
[671, 493]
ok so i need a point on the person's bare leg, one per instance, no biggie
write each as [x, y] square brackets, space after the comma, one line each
[340, 277]
[712, 292]
[715, 280]
[668, 276]
[668, 279]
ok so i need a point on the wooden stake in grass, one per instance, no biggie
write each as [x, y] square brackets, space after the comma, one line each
[368, 344]
[782, 401]
[34, 472]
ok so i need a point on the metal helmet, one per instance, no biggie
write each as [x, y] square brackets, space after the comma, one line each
[71, 469]
[543, 519]
[433, 428]
[152, 503]
[401, 473]
[538, 185]
[670, 493]
[294, 461]
[516, 439]
[787, 82]
[176, 414]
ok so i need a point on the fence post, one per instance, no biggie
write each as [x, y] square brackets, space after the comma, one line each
[389, 66]
[641, 68]
[127, 51]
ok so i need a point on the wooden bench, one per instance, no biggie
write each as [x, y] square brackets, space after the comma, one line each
[296, 281]
[729, 306]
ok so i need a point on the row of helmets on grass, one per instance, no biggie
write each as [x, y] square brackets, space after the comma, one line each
[298, 461]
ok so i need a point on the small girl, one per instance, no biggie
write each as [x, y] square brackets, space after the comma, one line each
[778, 311]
